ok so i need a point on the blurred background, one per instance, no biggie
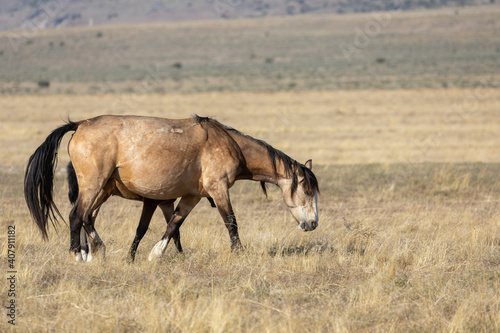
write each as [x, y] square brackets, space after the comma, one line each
[96, 47]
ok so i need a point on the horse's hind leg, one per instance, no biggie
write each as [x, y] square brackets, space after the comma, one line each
[148, 208]
[77, 219]
[91, 184]
[90, 240]
[181, 212]
[85, 247]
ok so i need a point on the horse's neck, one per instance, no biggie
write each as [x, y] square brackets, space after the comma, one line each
[258, 163]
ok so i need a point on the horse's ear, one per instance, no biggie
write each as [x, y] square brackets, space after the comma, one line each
[309, 164]
[297, 170]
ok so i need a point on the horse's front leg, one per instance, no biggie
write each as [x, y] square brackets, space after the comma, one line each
[181, 212]
[225, 208]
[167, 208]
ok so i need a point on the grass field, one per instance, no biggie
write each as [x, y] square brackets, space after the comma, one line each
[404, 138]
[408, 240]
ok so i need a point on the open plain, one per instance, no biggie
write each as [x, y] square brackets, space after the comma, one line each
[409, 231]
[408, 240]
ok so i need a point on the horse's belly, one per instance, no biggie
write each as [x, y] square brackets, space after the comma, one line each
[159, 184]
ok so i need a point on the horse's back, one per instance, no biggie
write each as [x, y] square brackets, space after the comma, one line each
[129, 135]
[155, 157]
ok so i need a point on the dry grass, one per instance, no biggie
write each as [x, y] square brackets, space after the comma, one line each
[402, 245]
[344, 127]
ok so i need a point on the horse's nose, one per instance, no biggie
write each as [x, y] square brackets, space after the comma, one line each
[313, 224]
[308, 226]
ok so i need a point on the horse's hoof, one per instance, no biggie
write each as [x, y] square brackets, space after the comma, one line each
[76, 257]
[158, 250]
[86, 257]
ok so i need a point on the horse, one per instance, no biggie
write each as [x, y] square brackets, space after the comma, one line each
[247, 143]
[161, 160]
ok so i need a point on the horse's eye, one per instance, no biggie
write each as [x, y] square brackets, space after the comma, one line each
[301, 181]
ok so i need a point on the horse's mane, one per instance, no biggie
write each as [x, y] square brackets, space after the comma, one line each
[310, 182]
[214, 125]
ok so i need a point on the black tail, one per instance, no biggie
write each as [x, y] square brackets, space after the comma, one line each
[72, 184]
[39, 178]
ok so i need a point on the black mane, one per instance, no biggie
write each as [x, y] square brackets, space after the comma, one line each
[201, 120]
[310, 183]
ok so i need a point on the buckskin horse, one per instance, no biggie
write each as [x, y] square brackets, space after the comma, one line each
[159, 160]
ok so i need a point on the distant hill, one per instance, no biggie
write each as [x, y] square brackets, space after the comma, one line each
[29, 14]
[439, 48]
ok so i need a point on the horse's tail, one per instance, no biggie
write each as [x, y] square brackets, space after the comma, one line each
[39, 179]
[72, 184]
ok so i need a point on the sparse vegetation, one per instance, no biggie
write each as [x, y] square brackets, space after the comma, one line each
[408, 237]
[407, 260]
[43, 83]
[402, 244]
[419, 51]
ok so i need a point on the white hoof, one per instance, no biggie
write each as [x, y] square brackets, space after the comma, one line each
[86, 257]
[96, 245]
[158, 250]
[78, 257]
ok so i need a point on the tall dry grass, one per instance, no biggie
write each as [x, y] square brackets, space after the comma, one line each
[382, 260]
[402, 245]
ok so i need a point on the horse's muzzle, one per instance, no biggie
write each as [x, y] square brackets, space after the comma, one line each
[308, 226]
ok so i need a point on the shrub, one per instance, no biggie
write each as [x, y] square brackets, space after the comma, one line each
[43, 83]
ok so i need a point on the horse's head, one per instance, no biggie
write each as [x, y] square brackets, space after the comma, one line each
[300, 194]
